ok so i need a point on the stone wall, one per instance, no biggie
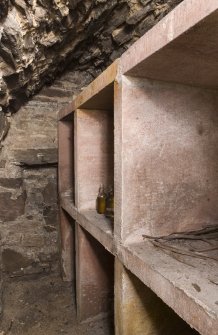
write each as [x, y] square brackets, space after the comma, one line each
[38, 40]
[28, 182]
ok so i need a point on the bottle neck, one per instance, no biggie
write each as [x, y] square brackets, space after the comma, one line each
[101, 190]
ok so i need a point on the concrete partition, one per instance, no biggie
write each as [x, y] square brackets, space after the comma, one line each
[66, 187]
[66, 157]
[169, 157]
[67, 239]
[94, 150]
[94, 277]
[139, 311]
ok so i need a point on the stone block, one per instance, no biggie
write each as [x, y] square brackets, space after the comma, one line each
[33, 239]
[34, 157]
[4, 8]
[12, 183]
[122, 35]
[30, 245]
[4, 125]
[137, 16]
[50, 192]
[50, 215]
[145, 25]
[10, 235]
[2, 163]
[11, 209]
[1, 296]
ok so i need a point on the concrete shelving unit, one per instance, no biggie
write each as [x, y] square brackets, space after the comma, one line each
[149, 126]
[89, 245]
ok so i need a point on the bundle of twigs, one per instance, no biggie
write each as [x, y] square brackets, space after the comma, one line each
[201, 243]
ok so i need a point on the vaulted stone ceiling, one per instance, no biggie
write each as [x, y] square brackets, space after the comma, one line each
[40, 38]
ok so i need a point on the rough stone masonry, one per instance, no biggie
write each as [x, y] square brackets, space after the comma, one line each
[39, 40]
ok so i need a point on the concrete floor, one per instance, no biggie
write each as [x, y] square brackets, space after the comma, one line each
[44, 306]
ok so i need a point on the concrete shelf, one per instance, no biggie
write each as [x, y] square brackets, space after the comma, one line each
[98, 226]
[181, 48]
[187, 284]
[149, 126]
[67, 204]
[98, 95]
[66, 113]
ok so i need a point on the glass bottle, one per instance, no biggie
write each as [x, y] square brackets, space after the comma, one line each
[110, 204]
[101, 200]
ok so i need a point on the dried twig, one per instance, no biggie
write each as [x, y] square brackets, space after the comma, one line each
[180, 251]
[190, 239]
